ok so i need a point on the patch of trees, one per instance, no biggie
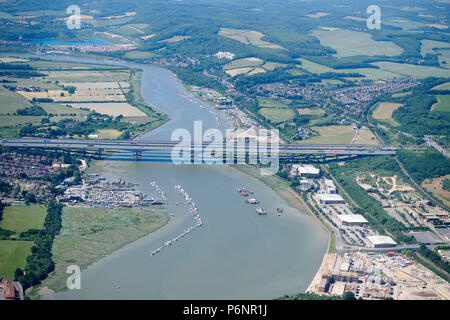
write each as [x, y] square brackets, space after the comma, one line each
[434, 257]
[33, 110]
[70, 89]
[5, 188]
[40, 263]
[446, 184]
[4, 234]
[415, 116]
[65, 173]
[49, 100]
[426, 165]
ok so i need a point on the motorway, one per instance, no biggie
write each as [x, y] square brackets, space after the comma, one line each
[167, 146]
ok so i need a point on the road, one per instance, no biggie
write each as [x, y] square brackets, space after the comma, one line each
[167, 146]
[437, 147]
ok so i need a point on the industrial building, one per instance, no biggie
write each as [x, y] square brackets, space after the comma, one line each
[306, 170]
[352, 220]
[381, 241]
[328, 198]
[330, 187]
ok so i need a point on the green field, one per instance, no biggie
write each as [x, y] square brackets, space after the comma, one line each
[369, 73]
[332, 135]
[270, 103]
[352, 43]
[401, 94]
[428, 46]
[310, 111]
[277, 115]
[5, 15]
[11, 101]
[384, 110]
[13, 254]
[139, 55]
[443, 103]
[57, 108]
[444, 86]
[20, 218]
[366, 137]
[314, 67]
[132, 29]
[7, 121]
[240, 63]
[108, 134]
[112, 22]
[412, 70]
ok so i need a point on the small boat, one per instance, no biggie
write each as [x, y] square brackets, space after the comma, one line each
[261, 211]
[280, 210]
[251, 201]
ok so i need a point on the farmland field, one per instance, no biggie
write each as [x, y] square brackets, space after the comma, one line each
[270, 103]
[277, 115]
[444, 86]
[112, 108]
[6, 121]
[401, 94]
[132, 29]
[11, 101]
[352, 43]
[13, 254]
[139, 55]
[309, 111]
[240, 63]
[88, 76]
[429, 45]
[369, 73]
[412, 70]
[365, 137]
[235, 72]
[56, 108]
[384, 110]
[314, 67]
[443, 104]
[108, 133]
[272, 65]
[332, 135]
[247, 37]
[19, 218]
[255, 71]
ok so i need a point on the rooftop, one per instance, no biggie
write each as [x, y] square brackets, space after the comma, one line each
[355, 218]
[380, 240]
[330, 197]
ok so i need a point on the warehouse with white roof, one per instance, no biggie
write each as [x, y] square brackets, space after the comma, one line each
[352, 220]
[327, 198]
[381, 241]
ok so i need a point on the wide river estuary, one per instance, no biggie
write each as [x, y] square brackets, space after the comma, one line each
[236, 254]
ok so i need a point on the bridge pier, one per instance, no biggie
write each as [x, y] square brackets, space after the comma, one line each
[100, 153]
[137, 155]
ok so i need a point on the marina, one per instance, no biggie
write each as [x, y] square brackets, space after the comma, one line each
[193, 210]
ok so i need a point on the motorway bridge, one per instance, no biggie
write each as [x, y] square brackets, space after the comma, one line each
[137, 147]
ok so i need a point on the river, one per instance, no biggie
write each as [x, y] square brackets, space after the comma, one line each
[236, 254]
